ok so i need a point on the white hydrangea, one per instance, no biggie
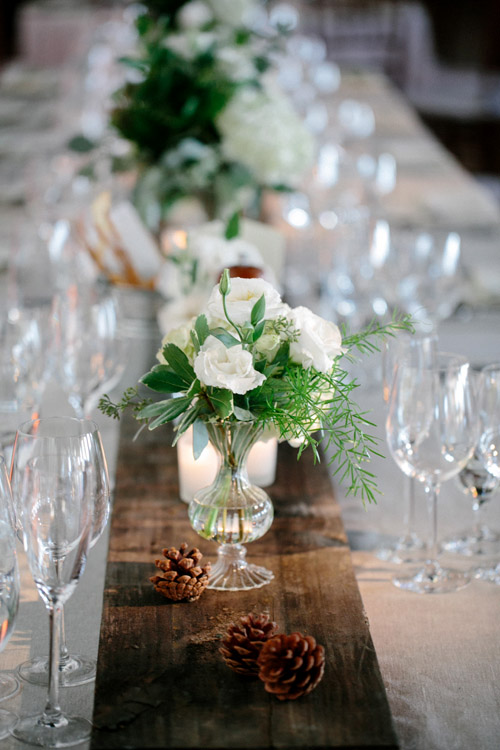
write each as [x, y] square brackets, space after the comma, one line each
[195, 14]
[261, 130]
[189, 44]
[234, 12]
[236, 63]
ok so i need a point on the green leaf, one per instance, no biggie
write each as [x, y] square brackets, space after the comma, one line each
[200, 438]
[172, 408]
[243, 414]
[259, 330]
[233, 226]
[222, 401]
[179, 363]
[154, 410]
[164, 380]
[258, 311]
[202, 329]
[81, 144]
[227, 339]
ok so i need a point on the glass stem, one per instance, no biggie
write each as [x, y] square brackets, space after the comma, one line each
[52, 714]
[63, 649]
[478, 509]
[409, 520]
[432, 490]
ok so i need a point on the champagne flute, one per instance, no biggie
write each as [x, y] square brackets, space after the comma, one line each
[432, 429]
[9, 594]
[394, 352]
[74, 669]
[489, 442]
[55, 489]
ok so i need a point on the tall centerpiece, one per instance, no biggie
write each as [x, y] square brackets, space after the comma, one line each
[247, 366]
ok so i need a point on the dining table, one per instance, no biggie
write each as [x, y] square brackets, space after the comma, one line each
[418, 672]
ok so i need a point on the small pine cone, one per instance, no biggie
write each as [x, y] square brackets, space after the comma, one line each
[291, 665]
[244, 641]
[182, 576]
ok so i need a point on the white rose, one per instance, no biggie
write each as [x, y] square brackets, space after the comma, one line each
[242, 297]
[194, 15]
[181, 337]
[231, 368]
[319, 341]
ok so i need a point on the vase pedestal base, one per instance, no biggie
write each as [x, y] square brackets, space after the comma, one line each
[232, 572]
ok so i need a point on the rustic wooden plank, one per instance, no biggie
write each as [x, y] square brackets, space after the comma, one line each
[161, 682]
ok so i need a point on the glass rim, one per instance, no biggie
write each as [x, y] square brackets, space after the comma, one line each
[24, 431]
[492, 367]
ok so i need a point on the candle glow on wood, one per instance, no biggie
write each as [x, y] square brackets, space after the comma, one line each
[193, 475]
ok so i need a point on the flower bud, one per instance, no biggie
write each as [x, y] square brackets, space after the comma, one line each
[225, 283]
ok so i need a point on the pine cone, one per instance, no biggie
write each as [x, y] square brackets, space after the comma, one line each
[182, 577]
[244, 641]
[291, 665]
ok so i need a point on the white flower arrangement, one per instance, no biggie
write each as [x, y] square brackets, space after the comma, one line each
[250, 357]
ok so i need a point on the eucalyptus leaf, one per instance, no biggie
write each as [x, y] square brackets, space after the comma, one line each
[200, 438]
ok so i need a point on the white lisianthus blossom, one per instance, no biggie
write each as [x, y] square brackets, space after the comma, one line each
[261, 130]
[234, 12]
[268, 345]
[240, 300]
[181, 310]
[194, 15]
[189, 44]
[181, 337]
[223, 367]
[318, 343]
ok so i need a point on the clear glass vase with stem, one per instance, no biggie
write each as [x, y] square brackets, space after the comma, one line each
[232, 511]
[432, 429]
[9, 594]
[74, 669]
[419, 347]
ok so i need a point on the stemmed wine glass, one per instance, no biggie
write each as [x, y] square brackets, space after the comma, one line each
[88, 352]
[479, 484]
[489, 441]
[54, 494]
[74, 669]
[432, 429]
[421, 348]
[9, 593]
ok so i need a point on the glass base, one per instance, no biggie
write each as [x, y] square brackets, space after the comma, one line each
[70, 730]
[9, 686]
[232, 572]
[77, 670]
[7, 722]
[407, 549]
[433, 579]
[492, 575]
[485, 542]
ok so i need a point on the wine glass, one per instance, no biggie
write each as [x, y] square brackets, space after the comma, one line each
[432, 429]
[489, 441]
[54, 493]
[88, 356]
[420, 348]
[9, 593]
[479, 484]
[73, 669]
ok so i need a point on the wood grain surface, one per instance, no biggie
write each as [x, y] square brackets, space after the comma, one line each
[161, 682]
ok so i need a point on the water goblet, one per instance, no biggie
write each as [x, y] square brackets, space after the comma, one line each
[55, 487]
[394, 352]
[74, 669]
[9, 594]
[432, 429]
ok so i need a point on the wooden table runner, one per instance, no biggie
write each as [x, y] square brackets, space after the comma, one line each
[161, 682]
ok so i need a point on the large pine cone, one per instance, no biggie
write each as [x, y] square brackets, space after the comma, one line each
[244, 641]
[182, 576]
[291, 665]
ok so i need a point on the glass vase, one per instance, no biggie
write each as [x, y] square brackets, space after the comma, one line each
[232, 511]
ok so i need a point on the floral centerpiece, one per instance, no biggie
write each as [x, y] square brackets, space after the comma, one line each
[247, 365]
[207, 123]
